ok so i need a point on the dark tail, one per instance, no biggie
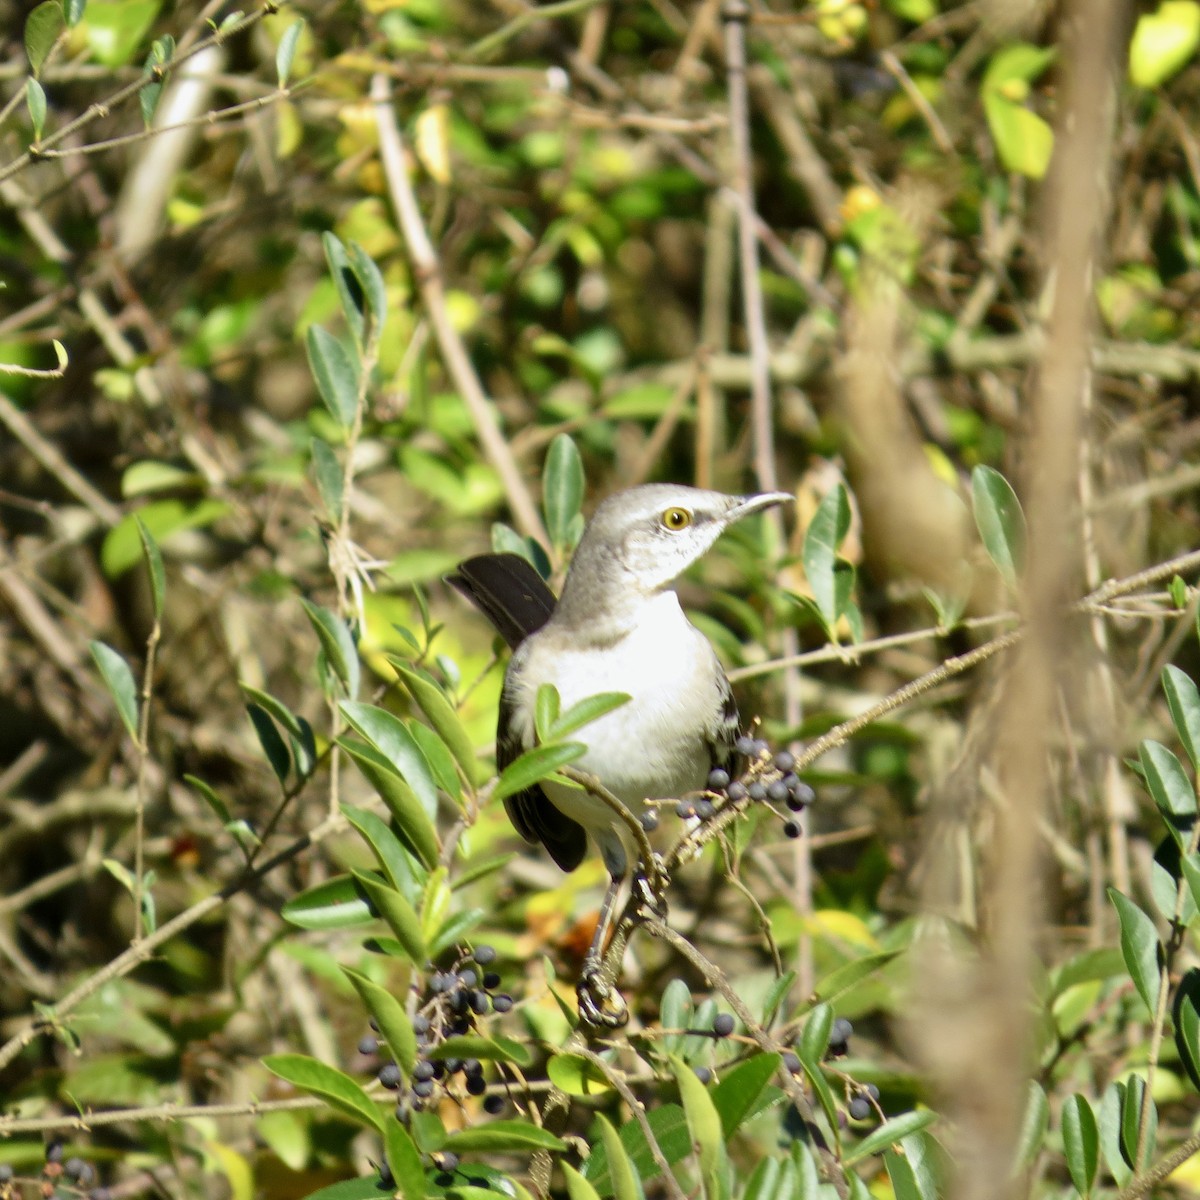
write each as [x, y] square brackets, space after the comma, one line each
[508, 591]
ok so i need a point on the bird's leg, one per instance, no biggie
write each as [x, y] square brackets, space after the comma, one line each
[650, 889]
[600, 1003]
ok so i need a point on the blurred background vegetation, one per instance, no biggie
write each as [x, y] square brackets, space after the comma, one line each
[581, 171]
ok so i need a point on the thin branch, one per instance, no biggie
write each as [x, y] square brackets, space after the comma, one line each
[429, 279]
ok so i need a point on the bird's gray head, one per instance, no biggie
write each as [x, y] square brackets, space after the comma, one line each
[639, 541]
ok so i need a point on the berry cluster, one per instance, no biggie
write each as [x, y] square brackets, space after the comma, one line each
[865, 1099]
[455, 999]
[768, 777]
[74, 1173]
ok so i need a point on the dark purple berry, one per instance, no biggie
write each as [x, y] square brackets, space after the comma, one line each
[423, 1088]
[480, 1003]
[792, 1063]
[872, 1091]
[453, 1065]
[476, 1085]
[502, 1003]
[736, 791]
[493, 1104]
[723, 1024]
[704, 1074]
[785, 760]
[757, 792]
[745, 745]
[448, 1160]
[468, 978]
[841, 1030]
[705, 809]
[484, 955]
[791, 829]
[424, 1070]
[368, 1044]
[761, 746]
[685, 809]
[54, 1151]
[650, 820]
[860, 1108]
[777, 791]
[389, 1076]
[472, 1066]
[718, 779]
[491, 980]
[420, 1024]
[74, 1167]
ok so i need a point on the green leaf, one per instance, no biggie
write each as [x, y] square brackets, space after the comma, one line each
[829, 525]
[394, 1025]
[118, 678]
[386, 846]
[161, 52]
[1163, 42]
[489, 1049]
[1183, 699]
[371, 282]
[1109, 1120]
[562, 489]
[535, 765]
[499, 1136]
[620, 1169]
[405, 1161]
[115, 28]
[1034, 1123]
[154, 567]
[211, 797]
[366, 1188]
[287, 52]
[546, 706]
[675, 1012]
[413, 825]
[704, 1123]
[337, 644]
[335, 904]
[387, 733]
[892, 1131]
[1000, 522]
[1081, 1142]
[327, 472]
[400, 916]
[122, 545]
[1131, 1116]
[1024, 141]
[815, 1038]
[455, 930]
[585, 712]
[42, 29]
[1021, 62]
[343, 275]
[577, 1076]
[1139, 948]
[442, 716]
[578, 1187]
[336, 1089]
[903, 1179]
[274, 747]
[775, 996]
[1186, 1018]
[1170, 788]
[335, 372]
[35, 101]
[843, 978]
[75, 10]
[736, 1095]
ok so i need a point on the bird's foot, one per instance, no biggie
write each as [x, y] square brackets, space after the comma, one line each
[651, 900]
[600, 1004]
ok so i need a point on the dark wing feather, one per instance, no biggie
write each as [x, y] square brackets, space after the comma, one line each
[530, 811]
[514, 597]
[508, 591]
[725, 730]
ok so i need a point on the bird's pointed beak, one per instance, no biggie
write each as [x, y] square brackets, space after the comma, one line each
[752, 504]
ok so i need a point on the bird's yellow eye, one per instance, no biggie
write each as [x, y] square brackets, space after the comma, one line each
[676, 519]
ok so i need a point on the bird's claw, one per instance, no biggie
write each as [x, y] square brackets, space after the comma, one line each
[600, 1004]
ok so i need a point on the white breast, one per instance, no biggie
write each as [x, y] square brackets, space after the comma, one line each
[653, 747]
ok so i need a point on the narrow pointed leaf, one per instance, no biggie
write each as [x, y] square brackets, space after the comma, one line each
[371, 282]
[394, 1025]
[736, 1095]
[391, 855]
[585, 712]
[1170, 788]
[345, 282]
[892, 1131]
[1183, 699]
[400, 916]
[286, 52]
[386, 732]
[336, 1089]
[620, 1168]
[578, 1187]
[829, 525]
[1000, 522]
[42, 27]
[335, 372]
[704, 1122]
[562, 489]
[1139, 947]
[443, 718]
[335, 904]
[118, 678]
[336, 642]
[274, 747]
[535, 765]
[404, 1159]
[1081, 1142]
[154, 567]
[498, 1136]
[327, 472]
[1187, 1024]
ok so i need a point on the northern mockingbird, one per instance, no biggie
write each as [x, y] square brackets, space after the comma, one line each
[618, 627]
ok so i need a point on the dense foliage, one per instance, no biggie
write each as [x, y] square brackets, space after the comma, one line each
[303, 304]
